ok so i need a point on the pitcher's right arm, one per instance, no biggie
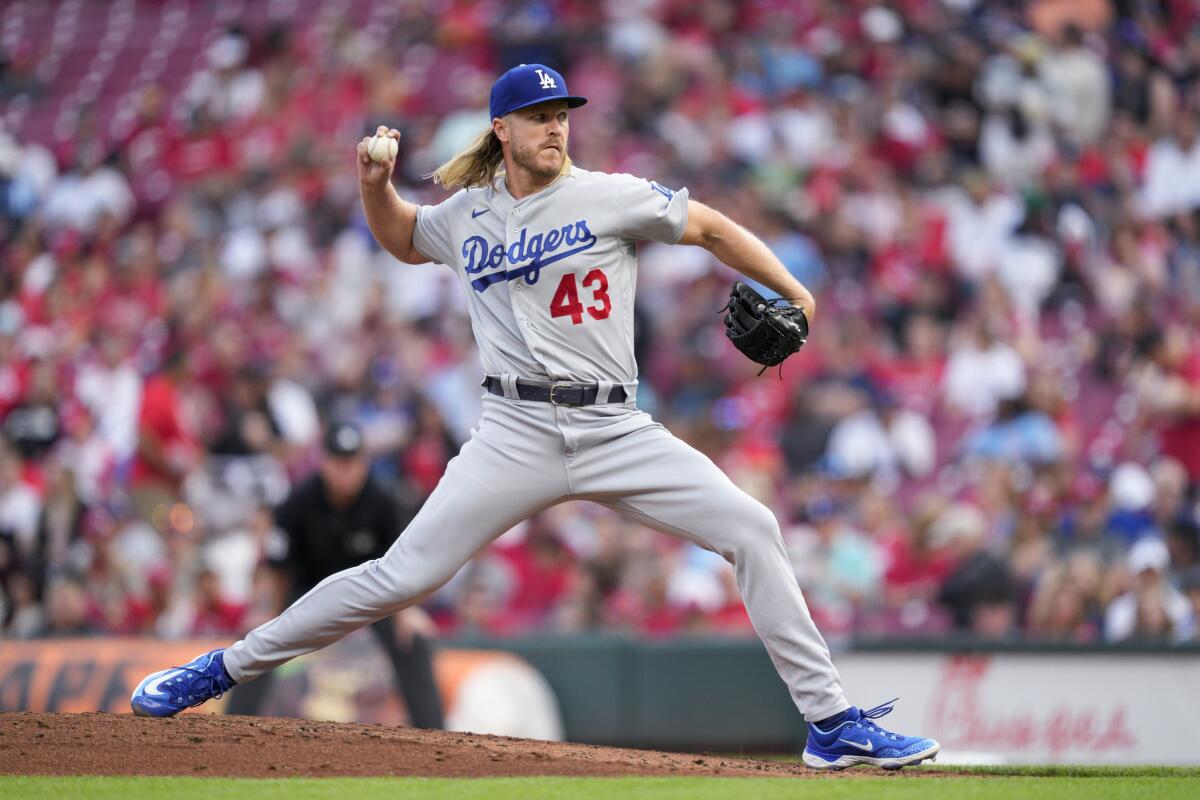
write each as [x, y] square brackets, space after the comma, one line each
[391, 218]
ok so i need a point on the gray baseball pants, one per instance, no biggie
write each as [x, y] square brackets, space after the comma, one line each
[525, 456]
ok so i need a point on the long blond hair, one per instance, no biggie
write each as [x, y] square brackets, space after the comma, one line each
[478, 164]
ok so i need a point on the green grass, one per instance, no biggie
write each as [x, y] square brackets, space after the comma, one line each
[1040, 770]
[1052, 783]
[1069, 771]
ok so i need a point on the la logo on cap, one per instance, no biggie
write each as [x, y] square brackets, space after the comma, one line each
[547, 80]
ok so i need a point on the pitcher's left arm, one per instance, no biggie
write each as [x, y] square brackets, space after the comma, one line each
[741, 250]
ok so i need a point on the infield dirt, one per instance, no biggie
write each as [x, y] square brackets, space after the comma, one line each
[203, 744]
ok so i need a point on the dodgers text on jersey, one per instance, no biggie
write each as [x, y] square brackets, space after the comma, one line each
[480, 254]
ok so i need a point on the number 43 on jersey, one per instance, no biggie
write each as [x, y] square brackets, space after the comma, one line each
[566, 303]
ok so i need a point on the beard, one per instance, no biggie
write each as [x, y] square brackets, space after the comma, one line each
[535, 160]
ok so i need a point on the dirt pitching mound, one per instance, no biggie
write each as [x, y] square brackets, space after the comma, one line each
[202, 744]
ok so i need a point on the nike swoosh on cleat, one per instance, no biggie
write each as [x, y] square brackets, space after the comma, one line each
[479, 213]
[152, 688]
[869, 746]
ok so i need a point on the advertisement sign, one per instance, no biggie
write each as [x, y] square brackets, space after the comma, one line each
[1039, 709]
[483, 691]
[76, 675]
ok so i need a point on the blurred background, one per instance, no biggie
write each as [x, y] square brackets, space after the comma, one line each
[993, 435]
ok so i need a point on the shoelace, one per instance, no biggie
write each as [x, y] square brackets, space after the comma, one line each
[881, 710]
[183, 688]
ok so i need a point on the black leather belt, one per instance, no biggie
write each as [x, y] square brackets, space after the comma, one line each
[560, 394]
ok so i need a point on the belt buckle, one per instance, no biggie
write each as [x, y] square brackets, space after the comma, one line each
[554, 386]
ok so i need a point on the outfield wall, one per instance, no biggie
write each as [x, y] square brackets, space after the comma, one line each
[1012, 705]
[1002, 704]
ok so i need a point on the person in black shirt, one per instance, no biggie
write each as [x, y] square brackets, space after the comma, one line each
[338, 518]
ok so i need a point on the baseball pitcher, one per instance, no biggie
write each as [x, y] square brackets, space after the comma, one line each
[545, 253]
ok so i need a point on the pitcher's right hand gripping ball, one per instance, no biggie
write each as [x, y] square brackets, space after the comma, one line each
[766, 331]
[377, 157]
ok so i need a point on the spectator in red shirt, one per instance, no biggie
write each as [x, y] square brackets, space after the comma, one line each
[914, 569]
[167, 450]
[918, 367]
[731, 616]
[1169, 388]
[542, 567]
[214, 614]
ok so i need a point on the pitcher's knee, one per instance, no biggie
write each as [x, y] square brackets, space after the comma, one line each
[753, 530]
[759, 521]
[766, 521]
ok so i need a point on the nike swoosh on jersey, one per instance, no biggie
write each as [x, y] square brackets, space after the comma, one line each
[869, 746]
[479, 212]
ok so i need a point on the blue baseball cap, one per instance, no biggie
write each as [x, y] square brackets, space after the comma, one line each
[527, 85]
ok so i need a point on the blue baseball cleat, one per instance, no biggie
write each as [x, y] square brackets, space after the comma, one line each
[166, 693]
[855, 739]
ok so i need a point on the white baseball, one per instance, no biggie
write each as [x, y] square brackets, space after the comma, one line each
[382, 147]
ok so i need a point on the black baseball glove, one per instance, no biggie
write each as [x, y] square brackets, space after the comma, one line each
[767, 331]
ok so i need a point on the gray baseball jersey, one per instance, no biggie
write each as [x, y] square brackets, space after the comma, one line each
[549, 278]
[550, 281]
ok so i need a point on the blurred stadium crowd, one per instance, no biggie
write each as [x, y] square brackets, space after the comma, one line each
[995, 428]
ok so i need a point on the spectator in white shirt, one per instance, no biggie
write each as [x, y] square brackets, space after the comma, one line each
[1080, 90]
[980, 223]
[1172, 177]
[1015, 148]
[981, 372]
[20, 506]
[111, 388]
[1152, 609]
[80, 199]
